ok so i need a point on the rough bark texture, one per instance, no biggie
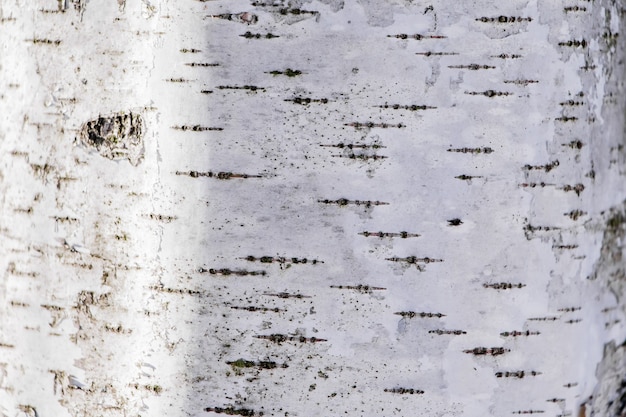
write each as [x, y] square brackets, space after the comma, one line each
[311, 208]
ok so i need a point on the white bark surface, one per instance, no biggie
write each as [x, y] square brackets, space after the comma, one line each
[165, 173]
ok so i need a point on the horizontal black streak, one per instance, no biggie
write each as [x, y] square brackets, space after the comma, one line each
[412, 107]
[486, 150]
[430, 53]
[243, 17]
[288, 72]
[472, 67]
[245, 412]
[306, 100]
[366, 289]
[381, 235]
[217, 175]
[414, 260]
[574, 43]
[489, 93]
[516, 333]
[250, 35]
[503, 285]
[242, 363]
[175, 290]
[569, 309]
[257, 308]
[345, 202]
[442, 332]
[416, 36]
[493, 351]
[404, 391]
[202, 64]
[226, 272]
[506, 56]
[504, 19]
[240, 87]
[467, 177]
[547, 167]
[197, 128]
[43, 41]
[286, 295]
[521, 82]
[280, 338]
[516, 374]
[370, 125]
[412, 314]
[360, 156]
[281, 260]
[354, 146]
[574, 9]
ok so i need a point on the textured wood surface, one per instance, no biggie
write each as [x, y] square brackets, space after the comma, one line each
[363, 208]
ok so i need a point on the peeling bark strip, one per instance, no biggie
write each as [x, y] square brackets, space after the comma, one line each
[115, 137]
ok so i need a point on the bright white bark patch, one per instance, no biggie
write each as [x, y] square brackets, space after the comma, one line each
[359, 208]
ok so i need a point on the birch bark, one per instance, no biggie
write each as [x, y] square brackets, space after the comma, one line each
[311, 208]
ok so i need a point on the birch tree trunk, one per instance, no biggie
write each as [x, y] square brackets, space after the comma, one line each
[364, 208]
